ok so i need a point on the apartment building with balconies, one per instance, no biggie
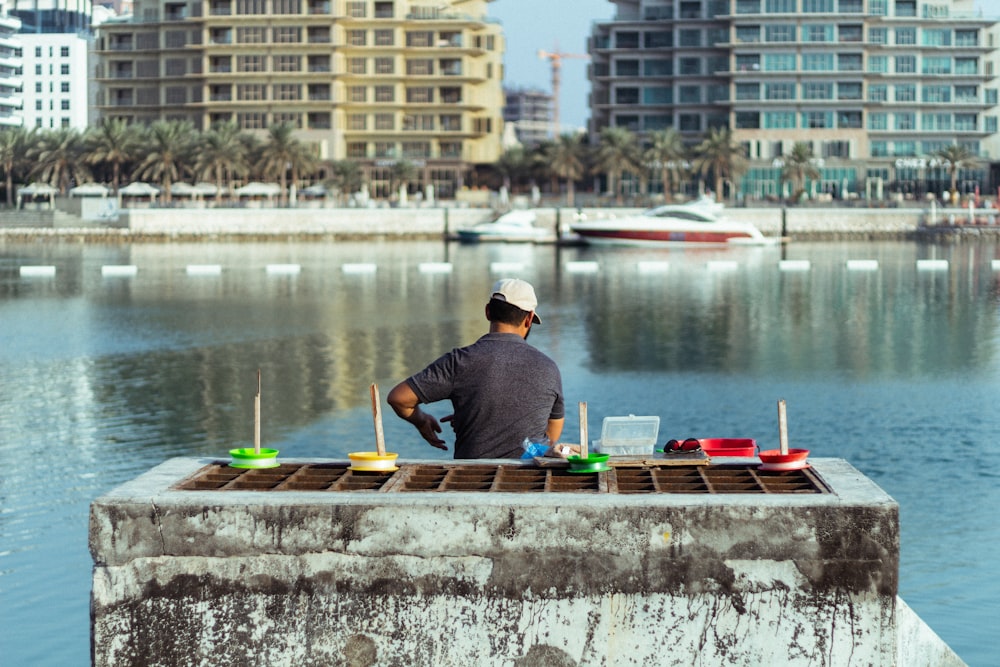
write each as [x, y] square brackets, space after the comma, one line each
[372, 81]
[875, 87]
[11, 65]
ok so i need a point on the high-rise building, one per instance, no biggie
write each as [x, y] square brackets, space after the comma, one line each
[372, 81]
[875, 87]
[529, 111]
[10, 69]
[55, 38]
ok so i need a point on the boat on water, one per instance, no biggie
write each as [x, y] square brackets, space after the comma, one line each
[700, 222]
[513, 227]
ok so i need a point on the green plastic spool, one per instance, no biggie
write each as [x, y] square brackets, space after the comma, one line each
[591, 464]
[246, 457]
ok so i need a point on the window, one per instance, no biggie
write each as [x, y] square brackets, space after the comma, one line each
[420, 95]
[420, 38]
[747, 120]
[626, 96]
[453, 67]
[318, 120]
[385, 94]
[251, 35]
[451, 122]
[849, 119]
[780, 91]
[288, 91]
[385, 65]
[877, 8]
[251, 7]
[419, 67]
[906, 64]
[965, 122]
[450, 95]
[689, 38]
[936, 37]
[878, 121]
[817, 6]
[287, 34]
[879, 149]
[748, 91]
[878, 92]
[936, 93]
[64, 87]
[932, 122]
[357, 65]
[906, 92]
[849, 33]
[906, 36]
[689, 95]
[747, 62]
[783, 32]
[966, 94]
[385, 121]
[655, 39]
[840, 149]
[747, 34]
[420, 122]
[814, 90]
[817, 32]
[385, 149]
[64, 51]
[780, 7]
[779, 62]
[249, 63]
[287, 6]
[817, 62]
[357, 121]
[416, 149]
[849, 90]
[937, 65]
[878, 35]
[817, 119]
[657, 122]
[251, 92]
[383, 10]
[356, 8]
[966, 38]
[878, 64]
[658, 67]
[64, 69]
[653, 95]
[906, 120]
[849, 62]
[452, 149]
[748, 6]
[966, 66]
[850, 7]
[690, 66]
[357, 94]
[626, 40]
[690, 122]
[357, 37]
[288, 63]
[626, 68]
[384, 37]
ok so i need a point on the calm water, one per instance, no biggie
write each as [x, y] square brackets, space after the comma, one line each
[896, 370]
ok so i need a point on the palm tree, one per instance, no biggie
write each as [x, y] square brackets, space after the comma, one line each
[565, 158]
[168, 145]
[346, 177]
[799, 166]
[222, 154]
[667, 153]
[514, 165]
[111, 141]
[719, 156]
[617, 153]
[957, 156]
[400, 175]
[14, 144]
[282, 153]
[58, 157]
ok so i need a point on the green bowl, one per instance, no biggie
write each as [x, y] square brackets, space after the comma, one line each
[246, 457]
[590, 464]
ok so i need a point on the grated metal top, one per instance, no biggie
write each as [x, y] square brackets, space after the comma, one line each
[696, 479]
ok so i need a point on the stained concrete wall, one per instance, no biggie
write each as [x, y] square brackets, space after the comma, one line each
[424, 578]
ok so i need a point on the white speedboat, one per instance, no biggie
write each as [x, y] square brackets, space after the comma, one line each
[697, 223]
[513, 227]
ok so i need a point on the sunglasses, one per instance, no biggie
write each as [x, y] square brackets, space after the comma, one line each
[689, 445]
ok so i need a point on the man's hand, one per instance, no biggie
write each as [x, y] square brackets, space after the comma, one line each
[406, 404]
[428, 428]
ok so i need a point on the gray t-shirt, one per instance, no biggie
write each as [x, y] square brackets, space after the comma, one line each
[502, 391]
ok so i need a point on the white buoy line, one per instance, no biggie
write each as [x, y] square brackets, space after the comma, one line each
[513, 268]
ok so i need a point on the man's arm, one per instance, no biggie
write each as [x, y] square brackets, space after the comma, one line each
[554, 430]
[405, 403]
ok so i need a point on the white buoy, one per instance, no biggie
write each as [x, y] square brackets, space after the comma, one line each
[359, 267]
[654, 267]
[435, 267]
[203, 269]
[932, 265]
[581, 267]
[284, 269]
[37, 271]
[794, 265]
[119, 270]
[862, 264]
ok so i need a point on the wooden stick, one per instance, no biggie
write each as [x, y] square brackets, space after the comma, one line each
[782, 427]
[377, 415]
[256, 417]
[583, 430]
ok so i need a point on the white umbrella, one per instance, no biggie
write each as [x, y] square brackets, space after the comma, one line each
[139, 189]
[182, 189]
[256, 189]
[90, 190]
[205, 189]
[38, 190]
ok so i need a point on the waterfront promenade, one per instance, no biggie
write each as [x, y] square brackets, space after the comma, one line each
[423, 223]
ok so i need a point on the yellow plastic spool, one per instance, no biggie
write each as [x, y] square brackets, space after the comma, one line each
[373, 462]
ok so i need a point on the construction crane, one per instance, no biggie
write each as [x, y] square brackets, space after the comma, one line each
[555, 58]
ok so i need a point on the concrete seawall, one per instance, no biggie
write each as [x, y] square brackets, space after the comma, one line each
[196, 563]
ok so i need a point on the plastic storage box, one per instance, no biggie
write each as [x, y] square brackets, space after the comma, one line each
[628, 436]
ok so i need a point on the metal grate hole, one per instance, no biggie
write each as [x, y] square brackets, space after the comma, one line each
[678, 479]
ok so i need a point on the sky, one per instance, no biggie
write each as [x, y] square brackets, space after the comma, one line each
[564, 25]
[551, 25]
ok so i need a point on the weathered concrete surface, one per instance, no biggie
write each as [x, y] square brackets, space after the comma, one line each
[365, 578]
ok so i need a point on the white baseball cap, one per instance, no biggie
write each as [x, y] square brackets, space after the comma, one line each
[517, 293]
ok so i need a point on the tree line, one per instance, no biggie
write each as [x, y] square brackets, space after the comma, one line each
[168, 151]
